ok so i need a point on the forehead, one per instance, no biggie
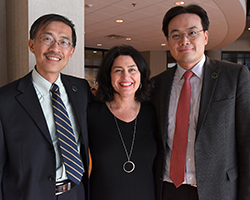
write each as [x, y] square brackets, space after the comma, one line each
[56, 28]
[185, 21]
[123, 60]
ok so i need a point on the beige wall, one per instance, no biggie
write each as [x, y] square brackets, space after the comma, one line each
[238, 45]
[241, 44]
[16, 19]
[215, 54]
[16, 37]
[3, 48]
[13, 51]
[157, 61]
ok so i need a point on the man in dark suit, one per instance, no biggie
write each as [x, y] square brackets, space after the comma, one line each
[217, 146]
[31, 163]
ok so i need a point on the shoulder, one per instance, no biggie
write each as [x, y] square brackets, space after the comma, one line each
[95, 107]
[79, 86]
[147, 114]
[224, 65]
[73, 79]
[96, 104]
[147, 105]
[163, 78]
[9, 87]
[165, 73]
[16, 87]
[147, 108]
[227, 70]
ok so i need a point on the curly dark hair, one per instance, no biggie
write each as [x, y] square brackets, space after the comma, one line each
[105, 90]
[191, 9]
[45, 20]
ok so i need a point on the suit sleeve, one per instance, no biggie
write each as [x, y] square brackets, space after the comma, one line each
[2, 157]
[243, 132]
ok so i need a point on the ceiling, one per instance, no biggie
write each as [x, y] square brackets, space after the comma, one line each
[142, 21]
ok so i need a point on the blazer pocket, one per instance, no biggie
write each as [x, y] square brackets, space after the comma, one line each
[232, 174]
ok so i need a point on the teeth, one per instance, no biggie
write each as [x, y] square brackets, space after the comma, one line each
[126, 84]
[53, 58]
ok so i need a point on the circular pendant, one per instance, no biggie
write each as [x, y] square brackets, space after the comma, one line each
[128, 166]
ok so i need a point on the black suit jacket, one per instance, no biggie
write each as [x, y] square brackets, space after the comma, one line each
[222, 145]
[27, 157]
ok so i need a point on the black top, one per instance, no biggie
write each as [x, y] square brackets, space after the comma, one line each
[108, 180]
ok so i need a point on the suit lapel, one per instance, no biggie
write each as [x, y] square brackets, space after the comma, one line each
[211, 76]
[72, 92]
[29, 101]
[166, 85]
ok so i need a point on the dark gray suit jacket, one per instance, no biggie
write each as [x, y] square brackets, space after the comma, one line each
[27, 157]
[222, 146]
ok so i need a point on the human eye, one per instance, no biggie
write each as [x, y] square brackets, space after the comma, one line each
[64, 43]
[176, 36]
[192, 33]
[133, 69]
[47, 39]
[117, 70]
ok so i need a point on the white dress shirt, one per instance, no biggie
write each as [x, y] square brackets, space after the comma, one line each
[196, 85]
[42, 87]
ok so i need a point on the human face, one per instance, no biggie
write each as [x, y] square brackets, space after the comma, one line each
[125, 76]
[51, 59]
[187, 52]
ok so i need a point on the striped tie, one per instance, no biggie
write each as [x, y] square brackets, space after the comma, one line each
[66, 137]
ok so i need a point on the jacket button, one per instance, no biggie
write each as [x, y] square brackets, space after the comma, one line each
[52, 178]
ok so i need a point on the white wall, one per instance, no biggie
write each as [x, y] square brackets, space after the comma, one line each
[74, 11]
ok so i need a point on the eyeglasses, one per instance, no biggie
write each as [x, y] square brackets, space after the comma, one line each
[190, 35]
[48, 40]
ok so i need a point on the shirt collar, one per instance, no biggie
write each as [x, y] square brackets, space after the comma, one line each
[197, 69]
[42, 84]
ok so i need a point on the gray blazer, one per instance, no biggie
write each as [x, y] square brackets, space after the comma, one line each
[222, 146]
[27, 157]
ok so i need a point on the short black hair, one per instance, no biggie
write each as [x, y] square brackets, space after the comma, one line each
[191, 9]
[105, 90]
[45, 20]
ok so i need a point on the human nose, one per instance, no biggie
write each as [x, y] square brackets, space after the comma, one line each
[125, 73]
[55, 45]
[55, 41]
[184, 39]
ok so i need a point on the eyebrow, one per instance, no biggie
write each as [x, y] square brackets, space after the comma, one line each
[192, 27]
[49, 33]
[176, 30]
[121, 66]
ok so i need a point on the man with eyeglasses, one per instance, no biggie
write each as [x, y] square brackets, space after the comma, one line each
[35, 163]
[203, 109]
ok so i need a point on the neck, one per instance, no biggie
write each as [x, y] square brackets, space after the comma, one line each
[51, 77]
[189, 65]
[125, 109]
[124, 103]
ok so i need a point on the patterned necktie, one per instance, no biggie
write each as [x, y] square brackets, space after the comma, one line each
[178, 156]
[66, 137]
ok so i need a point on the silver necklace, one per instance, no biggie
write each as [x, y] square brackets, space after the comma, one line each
[128, 166]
